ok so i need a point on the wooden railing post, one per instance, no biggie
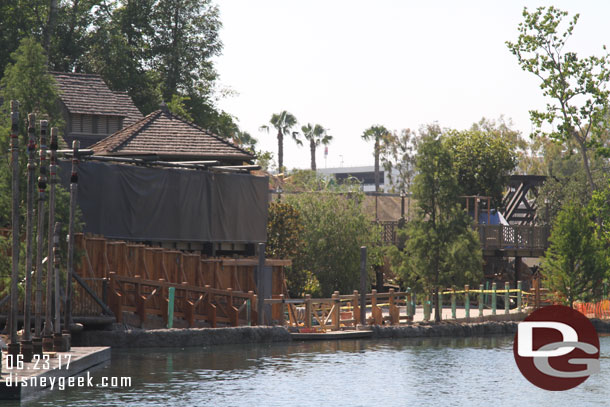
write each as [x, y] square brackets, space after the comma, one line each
[282, 308]
[481, 296]
[139, 302]
[376, 311]
[519, 296]
[453, 304]
[506, 297]
[336, 311]
[467, 301]
[410, 307]
[394, 311]
[308, 310]
[493, 298]
[356, 308]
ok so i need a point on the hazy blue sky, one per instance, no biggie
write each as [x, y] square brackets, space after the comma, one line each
[348, 64]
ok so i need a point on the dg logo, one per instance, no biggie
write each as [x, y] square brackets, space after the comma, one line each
[556, 348]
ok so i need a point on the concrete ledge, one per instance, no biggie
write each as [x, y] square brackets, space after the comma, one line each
[445, 329]
[178, 338]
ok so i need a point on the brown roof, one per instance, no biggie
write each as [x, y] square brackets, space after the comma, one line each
[166, 135]
[88, 94]
[125, 104]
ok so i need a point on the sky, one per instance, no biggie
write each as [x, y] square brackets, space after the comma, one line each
[350, 64]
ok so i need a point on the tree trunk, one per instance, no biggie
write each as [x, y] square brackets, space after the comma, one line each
[312, 148]
[48, 32]
[280, 152]
[377, 164]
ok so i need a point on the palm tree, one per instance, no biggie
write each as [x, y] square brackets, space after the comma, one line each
[377, 133]
[283, 123]
[316, 135]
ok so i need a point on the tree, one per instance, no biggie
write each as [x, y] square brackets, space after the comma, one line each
[399, 156]
[574, 263]
[283, 122]
[316, 135]
[576, 86]
[335, 226]
[483, 161]
[378, 134]
[441, 249]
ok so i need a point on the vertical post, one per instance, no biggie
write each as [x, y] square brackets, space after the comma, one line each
[26, 342]
[48, 324]
[453, 304]
[260, 284]
[308, 311]
[363, 285]
[356, 308]
[249, 309]
[519, 294]
[70, 265]
[493, 298]
[481, 301]
[170, 307]
[409, 305]
[427, 308]
[485, 295]
[467, 301]
[336, 316]
[13, 347]
[506, 297]
[57, 339]
[440, 303]
[42, 186]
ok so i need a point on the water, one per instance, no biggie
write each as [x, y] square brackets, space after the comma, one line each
[397, 372]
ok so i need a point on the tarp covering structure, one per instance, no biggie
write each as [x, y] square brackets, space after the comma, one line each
[160, 204]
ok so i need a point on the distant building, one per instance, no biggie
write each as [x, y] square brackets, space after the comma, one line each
[91, 111]
[364, 175]
[170, 138]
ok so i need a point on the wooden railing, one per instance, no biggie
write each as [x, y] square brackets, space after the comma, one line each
[191, 303]
[502, 237]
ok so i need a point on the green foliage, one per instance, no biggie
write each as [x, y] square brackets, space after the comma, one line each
[316, 135]
[578, 110]
[483, 160]
[378, 134]
[574, 263]
[441, 248]
[177, 107]
[399, 155]
[283, 123]
[335, 226]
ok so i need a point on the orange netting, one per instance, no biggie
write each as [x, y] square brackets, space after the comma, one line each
[599, 309]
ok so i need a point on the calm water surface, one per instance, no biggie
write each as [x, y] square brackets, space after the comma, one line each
[398, 372]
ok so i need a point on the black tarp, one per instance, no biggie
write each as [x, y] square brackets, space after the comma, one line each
[160, 204]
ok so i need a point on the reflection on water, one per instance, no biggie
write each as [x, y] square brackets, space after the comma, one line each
[476, 371]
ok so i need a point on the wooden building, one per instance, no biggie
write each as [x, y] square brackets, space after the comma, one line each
[91, 111]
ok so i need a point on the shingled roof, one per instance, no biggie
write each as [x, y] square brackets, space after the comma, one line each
[170, 137]
[88, 94]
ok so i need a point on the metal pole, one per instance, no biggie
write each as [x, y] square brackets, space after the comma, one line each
[70, 268]
[42, 186]
[363, 285]
[260, 284]
[26, 342]
[48, 324]
[13, 347]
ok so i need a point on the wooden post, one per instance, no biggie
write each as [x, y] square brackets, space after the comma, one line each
[26, 342]
[536, 292]
[410, 308]
[356, 308]
[260, 284]
[453, 304]
[467, 301]
[48, 324]
[439, 298]
[336, 316]
[481, 296]
[363, 285]
[427, 309]
[308, 310]
[519, 294]
[493, 298]
[170, 307]
[13, 347]
[249, 309]
[42, 186]
[70, 265]
[506, 297]
[394, 312]
[56, 299]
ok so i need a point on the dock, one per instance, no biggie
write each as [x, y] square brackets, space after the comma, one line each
[48, 372]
